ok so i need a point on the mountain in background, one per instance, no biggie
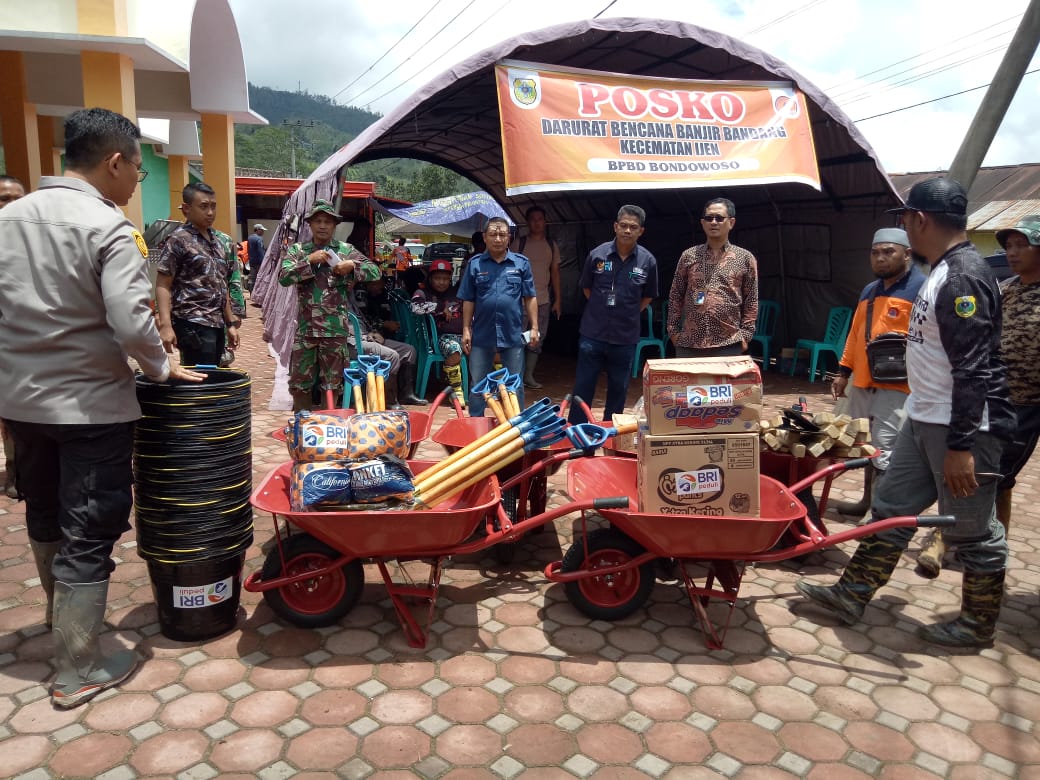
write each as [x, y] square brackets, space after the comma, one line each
[317, 128]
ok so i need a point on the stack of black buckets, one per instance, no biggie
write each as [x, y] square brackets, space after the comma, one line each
[192, 482]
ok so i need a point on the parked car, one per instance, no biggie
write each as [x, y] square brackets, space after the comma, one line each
[444, 250]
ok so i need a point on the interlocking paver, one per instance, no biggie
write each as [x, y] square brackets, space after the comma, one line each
[516, 683]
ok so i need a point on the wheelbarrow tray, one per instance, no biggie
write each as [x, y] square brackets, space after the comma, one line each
[681, 535]
[387, 533]
[419, 424]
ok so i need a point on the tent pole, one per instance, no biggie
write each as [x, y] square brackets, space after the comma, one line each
[784, 308]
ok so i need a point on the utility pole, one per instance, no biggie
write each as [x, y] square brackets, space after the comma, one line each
[292, 124]
[994, 106]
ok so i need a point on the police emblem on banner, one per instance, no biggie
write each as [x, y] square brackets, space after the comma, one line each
[525, 88]
[964, 306]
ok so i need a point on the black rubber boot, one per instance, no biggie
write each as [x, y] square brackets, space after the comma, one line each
[83, 673]
[406, 386]
[870, 567]
[981, 594]
[43, 553]
[861, 507]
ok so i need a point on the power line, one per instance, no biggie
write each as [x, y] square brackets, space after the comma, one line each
[852, 83]
[609, 5]
[403, 83]
[785, 17]
[920, 77]
[936, 100]
[409, 57]
[385, 53]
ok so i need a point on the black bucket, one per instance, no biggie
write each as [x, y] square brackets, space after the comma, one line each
[197, 601]
[192, 482]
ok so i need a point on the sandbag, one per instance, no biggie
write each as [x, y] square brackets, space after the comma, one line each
[324, 436]
[344, 484]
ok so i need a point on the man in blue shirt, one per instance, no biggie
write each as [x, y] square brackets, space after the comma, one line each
[619, 281]
[495, 285]
[255, 247]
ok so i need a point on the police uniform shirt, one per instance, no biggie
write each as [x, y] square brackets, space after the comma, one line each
[75, 301]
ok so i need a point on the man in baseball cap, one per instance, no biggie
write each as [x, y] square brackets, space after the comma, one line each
[1019, 348]
[958, 417]
[255, 249]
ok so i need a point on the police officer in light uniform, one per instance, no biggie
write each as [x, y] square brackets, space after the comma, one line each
[75, 301]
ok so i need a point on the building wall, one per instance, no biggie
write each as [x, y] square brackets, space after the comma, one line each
[155, 190]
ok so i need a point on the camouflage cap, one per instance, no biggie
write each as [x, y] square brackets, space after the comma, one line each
[1028, 226]
[322, 206]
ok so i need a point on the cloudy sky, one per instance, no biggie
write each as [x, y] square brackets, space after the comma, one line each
[874, 57]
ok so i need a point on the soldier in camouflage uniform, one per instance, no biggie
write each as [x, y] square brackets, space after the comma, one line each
[235, 290]
[192, 290]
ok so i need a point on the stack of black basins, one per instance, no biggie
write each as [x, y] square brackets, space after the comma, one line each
[192, 482]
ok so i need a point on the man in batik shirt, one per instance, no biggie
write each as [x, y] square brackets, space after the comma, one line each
[714, 298]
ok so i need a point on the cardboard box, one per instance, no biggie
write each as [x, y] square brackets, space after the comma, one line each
[712, 476]
[702, 395]
[627, 441]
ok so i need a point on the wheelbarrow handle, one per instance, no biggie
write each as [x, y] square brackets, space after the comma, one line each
[834, 468]
[857, 463]
[617, 502]
[936, 521]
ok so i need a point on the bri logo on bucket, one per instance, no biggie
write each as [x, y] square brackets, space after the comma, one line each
[218, 592]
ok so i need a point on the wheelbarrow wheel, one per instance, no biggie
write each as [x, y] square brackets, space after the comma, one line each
[320, 600]
[505, 552]
[609, 596]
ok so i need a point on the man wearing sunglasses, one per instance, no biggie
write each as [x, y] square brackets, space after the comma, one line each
[713, 302]
[958, 417]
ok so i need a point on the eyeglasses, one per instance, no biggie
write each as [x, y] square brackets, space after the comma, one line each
[142, 174]
[714, 218]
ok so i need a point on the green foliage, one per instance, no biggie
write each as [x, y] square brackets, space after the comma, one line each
[271, 148]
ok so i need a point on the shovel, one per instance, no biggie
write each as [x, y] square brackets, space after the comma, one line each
[356, 376]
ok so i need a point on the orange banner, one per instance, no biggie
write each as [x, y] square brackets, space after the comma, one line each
[572, 130]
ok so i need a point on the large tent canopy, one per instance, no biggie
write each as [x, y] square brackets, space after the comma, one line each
[812, 245]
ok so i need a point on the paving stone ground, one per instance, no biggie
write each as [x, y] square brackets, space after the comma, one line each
[516, 683]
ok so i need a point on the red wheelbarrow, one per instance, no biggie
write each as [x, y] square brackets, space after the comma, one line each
[314, 574]
[608, 573]
[525, 489]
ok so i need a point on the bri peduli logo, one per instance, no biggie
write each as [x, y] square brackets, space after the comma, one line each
[313, 435]
[218, 592]
[709, 395]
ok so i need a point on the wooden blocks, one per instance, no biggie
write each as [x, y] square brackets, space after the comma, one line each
[839, 435]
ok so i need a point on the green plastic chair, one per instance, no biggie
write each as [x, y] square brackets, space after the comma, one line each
[765, 327]
[650, 340]
[838, 321]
